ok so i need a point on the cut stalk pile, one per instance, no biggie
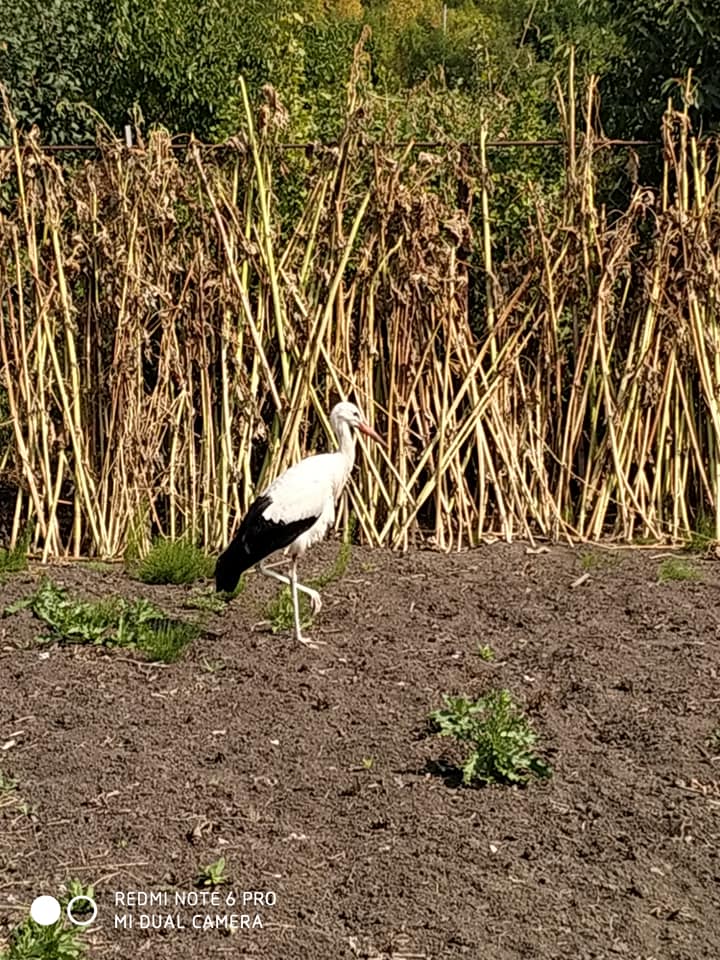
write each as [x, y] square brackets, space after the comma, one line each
[174, 325]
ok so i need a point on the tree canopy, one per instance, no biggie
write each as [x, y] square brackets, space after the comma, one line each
[69, 64]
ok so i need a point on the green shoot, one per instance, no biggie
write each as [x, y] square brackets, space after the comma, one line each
[213, 874]
[502, 739]
[486, 652]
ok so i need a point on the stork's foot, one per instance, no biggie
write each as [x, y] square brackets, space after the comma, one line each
[311, 644]
[315, 601]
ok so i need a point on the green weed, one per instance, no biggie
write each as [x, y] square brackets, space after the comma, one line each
[115, 622]
[173, 561]
[502, 738]
[208, 601]
[486, 652]
[674, 568]
[213, 874]
[60, 941]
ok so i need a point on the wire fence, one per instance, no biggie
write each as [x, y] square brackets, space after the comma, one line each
[310, 146]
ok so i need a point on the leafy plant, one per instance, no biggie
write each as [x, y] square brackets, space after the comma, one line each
[59, 941]
[112, 622]
[502, 739]
[674, 568]
[213, 874]
[30, 941]
[486, 652]
[173, 561]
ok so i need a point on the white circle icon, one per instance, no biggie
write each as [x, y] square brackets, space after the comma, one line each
[45, 911]
[81, 923]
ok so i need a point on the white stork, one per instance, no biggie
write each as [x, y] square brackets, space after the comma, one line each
[296, 510]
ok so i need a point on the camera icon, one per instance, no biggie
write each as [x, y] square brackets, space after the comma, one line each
[46, 910]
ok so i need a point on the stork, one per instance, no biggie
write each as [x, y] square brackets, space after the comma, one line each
[294, 512]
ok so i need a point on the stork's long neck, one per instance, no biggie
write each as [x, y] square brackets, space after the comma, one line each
[346, 442]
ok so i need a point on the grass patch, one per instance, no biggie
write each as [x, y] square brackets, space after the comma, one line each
[596, 560]
[675, 568]
[114, 622]
[59, 941]
[172, 562]
[14, 559]
[279, 611]
[502, 738]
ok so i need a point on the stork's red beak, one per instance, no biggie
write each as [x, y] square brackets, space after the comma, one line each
[369, 432]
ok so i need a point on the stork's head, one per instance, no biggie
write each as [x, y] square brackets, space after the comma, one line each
[348, 413]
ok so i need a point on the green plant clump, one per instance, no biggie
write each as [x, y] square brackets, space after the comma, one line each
[675, 568]
[502, 738]
[14, 559]
[173, 561]
[30, 941]
[114, 622]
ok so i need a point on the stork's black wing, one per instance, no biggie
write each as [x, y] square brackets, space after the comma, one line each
[256, 539]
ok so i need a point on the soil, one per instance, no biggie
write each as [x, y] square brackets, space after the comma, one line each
[313, 774]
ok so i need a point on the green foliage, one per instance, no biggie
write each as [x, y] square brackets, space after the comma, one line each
[173, 561]
[113, 622]
[213, 874]
[176, 63]
[54, 61]
[29, 941]
[486, 652]
[60, 941]
[502, 739]
[674, 568]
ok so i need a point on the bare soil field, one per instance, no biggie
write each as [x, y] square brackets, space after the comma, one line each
[313, 773]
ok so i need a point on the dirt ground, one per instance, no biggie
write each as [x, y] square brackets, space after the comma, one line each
[311, 771]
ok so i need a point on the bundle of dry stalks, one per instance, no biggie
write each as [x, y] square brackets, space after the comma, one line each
[169, 342]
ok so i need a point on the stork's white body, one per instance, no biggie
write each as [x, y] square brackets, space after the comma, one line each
[295, 511]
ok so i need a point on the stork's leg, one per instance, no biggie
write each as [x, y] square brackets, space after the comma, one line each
[294, 587]
[315, 601]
